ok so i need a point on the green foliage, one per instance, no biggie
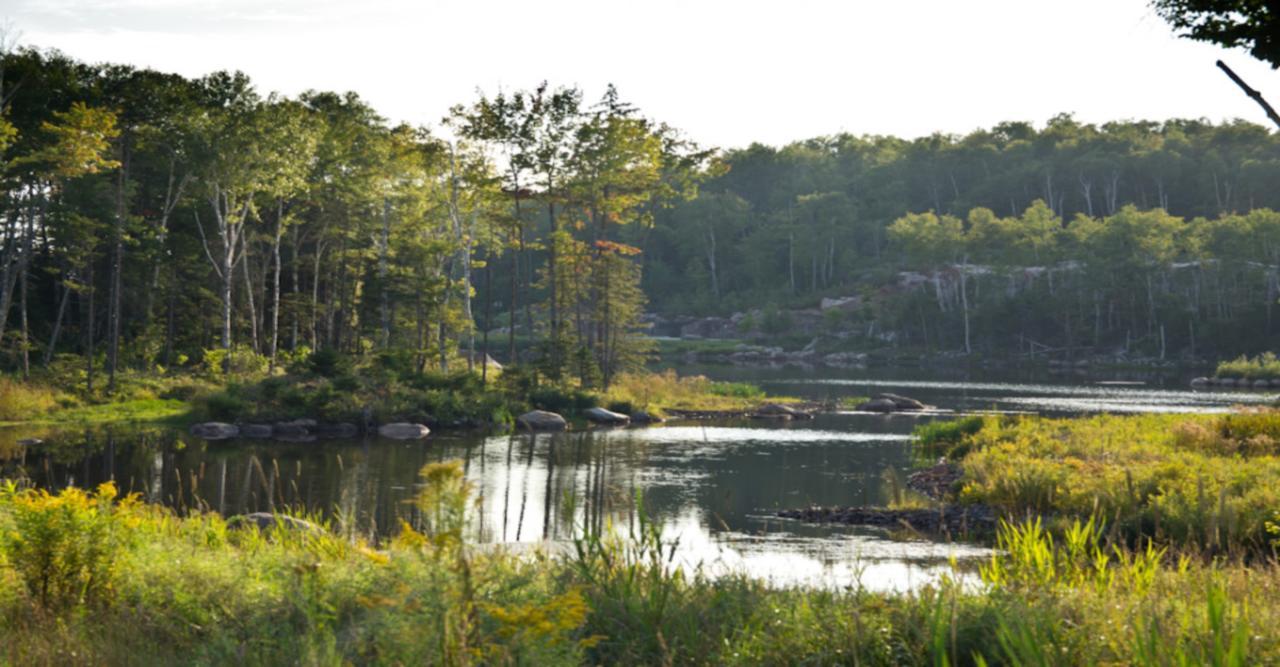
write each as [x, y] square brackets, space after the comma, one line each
[115, 582]
[65, 547]
[1265, 366]
[328, 363]
[741, 390]
[244, 362]
[21, 401]
[949, 437]
[1197, 482]
[566, 401]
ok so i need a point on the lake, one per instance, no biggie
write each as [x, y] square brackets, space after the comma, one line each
[713, 486]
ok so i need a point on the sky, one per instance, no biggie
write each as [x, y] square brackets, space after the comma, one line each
[728, 73]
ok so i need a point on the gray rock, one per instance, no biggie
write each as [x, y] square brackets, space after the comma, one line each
[1200, 382]
[256, 431]
[30, 442]
[403, 431]
[878, 405]
[643, 417]
[541, 420]
[603, 416]
[295, 428]
[1275, 382]
[777, 409]
[1261, 384]
[337, 431]
[904, 403]
[215, 430]
[269, 521]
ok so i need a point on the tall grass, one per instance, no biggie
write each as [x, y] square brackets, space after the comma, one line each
[87, 578]
[668, 390]
[23, 401]
[1194, 481]
[1265, 366]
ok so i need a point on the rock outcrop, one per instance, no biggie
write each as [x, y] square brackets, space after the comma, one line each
[541, 420]
[403, 431]
[644, 417]
[215, 431]
[892, 403]
[779, 411]
[256, 431]
[608, 417]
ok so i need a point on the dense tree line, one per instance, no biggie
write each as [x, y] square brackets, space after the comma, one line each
[152, 220]
[1147, 223]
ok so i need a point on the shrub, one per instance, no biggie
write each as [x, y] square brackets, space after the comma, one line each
[1265, 366]
[244, 361]
[950, 437]
[65, 547]
[21, 401]
[328, 363]
[225, 405]
[562, 400]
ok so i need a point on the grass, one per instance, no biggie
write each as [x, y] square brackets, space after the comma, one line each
[1265, 366]
[1202, 483]
[667, 390]
[34, 402]
[90, 578]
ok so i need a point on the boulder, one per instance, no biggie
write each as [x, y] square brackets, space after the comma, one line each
[892, 403]
[269, 521]
[1275, 383]
[30, 442]
[541, 420]
[256, 431]
[643, 417]
[337, 431]
[215, 430]
[878, 405]
[1200, 382]
[603, 416]
[295, 429]
[403, 431]
[1261, 384]
[779, 411]
[904, 403]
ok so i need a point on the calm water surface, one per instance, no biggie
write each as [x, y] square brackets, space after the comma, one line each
[713, 486]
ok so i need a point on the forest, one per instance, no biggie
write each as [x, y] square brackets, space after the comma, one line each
[153, 221]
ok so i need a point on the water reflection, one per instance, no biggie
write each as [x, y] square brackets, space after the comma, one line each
[714, 487]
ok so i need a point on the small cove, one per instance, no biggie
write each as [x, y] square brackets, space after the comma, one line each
[713, 486]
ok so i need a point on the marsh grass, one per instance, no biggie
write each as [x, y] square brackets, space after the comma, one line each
[1265, 366]
[668, 390]
[1202, 482]
[90, 578]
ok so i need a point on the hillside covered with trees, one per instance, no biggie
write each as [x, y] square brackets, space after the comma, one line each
[152, 220]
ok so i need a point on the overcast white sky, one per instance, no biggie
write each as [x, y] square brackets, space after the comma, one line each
[726, 72]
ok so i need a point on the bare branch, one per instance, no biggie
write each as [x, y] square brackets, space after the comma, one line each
[1257, 96]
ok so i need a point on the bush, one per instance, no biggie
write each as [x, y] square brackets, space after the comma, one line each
[949, 438]
[225, 405]
[328, 363]
[20, 401]
[65, 546]
[1265, 366]
[565, 401]
[244, 361]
